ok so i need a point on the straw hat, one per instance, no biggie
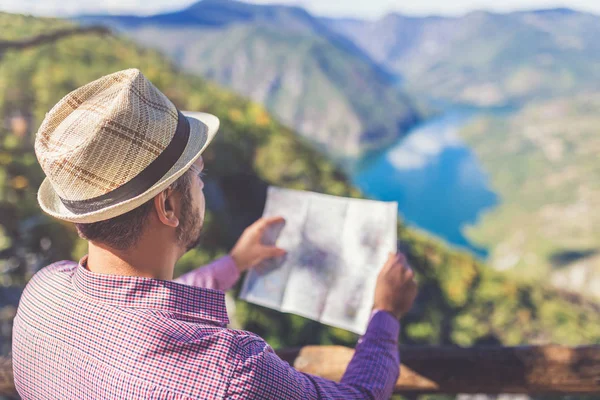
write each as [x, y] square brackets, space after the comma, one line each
[113, 144]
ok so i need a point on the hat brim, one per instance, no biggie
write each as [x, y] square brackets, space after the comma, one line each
[203, 128]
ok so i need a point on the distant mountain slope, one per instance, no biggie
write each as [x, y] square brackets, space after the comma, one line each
[544, 164]
[461, 301]
[486, 58]
[313, 79]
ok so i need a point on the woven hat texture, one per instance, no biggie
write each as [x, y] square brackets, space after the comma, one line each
[103, 135]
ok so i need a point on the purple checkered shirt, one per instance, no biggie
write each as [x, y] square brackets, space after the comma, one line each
[83, 335]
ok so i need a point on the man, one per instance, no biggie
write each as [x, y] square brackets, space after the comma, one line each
[125, 166]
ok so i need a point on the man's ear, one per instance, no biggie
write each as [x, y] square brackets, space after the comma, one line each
[165, 203]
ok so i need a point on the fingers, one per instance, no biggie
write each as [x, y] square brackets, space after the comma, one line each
[398, 260]
[265, 222]
[401, 258]
[272, 251]
[397, 257]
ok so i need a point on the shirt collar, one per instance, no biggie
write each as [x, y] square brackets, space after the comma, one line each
[148, 293]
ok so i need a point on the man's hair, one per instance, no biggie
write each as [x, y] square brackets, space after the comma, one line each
[123, 232]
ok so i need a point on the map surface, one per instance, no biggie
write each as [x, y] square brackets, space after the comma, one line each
[335, 246]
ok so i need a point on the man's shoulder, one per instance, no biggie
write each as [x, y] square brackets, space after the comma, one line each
[64, 268]
[247, 344]
[59, 267]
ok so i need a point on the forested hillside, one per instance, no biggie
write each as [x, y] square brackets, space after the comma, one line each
[311, 78]
[543, 162]
[461, 301]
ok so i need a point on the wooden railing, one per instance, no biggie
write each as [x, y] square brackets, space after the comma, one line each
[491, 370]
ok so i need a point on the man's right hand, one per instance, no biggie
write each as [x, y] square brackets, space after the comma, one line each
[396, 287]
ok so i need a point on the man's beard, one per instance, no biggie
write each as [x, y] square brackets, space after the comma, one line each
[189, 230]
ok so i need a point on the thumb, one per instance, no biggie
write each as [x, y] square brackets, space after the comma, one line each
[265, 222]
[272, 251]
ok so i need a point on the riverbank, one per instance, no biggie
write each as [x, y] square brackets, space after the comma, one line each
[435, 177]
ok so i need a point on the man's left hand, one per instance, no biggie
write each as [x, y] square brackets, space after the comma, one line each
[249, 251]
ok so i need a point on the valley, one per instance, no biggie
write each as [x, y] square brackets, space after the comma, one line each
[462, 302]
[441, 114]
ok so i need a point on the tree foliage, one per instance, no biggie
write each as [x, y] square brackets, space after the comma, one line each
[461, 301]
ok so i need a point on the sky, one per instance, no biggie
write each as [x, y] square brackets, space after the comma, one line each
[369, 9]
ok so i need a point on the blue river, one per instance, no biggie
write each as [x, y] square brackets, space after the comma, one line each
[434, 176]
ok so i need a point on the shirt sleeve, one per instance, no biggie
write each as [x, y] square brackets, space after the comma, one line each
[221, 274]
[371, 374]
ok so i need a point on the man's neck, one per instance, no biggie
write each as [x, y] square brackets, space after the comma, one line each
[140, 261]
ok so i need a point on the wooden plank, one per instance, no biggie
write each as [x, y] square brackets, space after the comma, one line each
[490, 370]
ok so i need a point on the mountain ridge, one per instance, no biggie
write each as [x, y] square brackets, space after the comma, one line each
[485, 58]
[253, 12]
[290, 61]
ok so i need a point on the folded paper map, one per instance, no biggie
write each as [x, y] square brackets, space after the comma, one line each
[336, 247]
